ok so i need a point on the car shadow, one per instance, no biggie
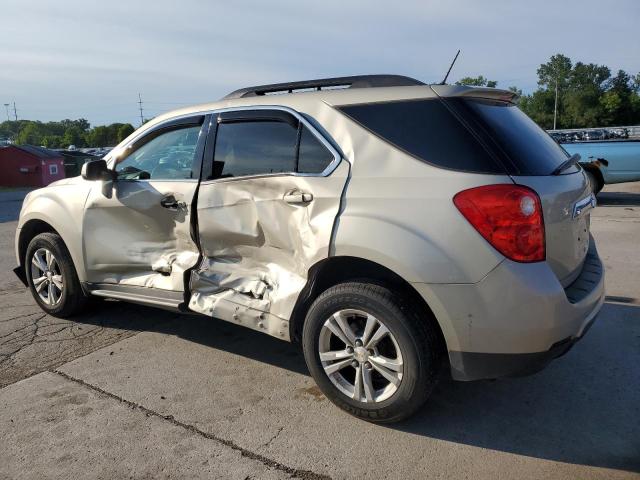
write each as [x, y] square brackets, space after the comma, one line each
[196, 328]
[582, 409]
[618, 199]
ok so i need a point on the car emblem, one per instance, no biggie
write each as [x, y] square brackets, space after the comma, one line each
[581, 206]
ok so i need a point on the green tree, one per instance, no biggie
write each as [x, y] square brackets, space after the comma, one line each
[515, 90]
[31, 134]
[539, 106]
[52, 141]
[478, 81]
[124, 131]
[98, 137]
[556, 70]
[622, 85]
[74, 135]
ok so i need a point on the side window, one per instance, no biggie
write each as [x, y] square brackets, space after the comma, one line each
[427, 130]
[168, 155]
[314, 156]
[254, 148]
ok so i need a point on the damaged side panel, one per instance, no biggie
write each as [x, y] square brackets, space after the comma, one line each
[130, 239]
[257, 247]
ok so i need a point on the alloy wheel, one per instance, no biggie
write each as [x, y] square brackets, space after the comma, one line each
[360, 356]
[46, 276]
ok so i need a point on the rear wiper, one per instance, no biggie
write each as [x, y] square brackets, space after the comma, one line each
[569, 162]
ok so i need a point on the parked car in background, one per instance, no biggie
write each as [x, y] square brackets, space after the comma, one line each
[390, 227]
[74, 160]
[619, 133]
[595, 135]
[608, 162]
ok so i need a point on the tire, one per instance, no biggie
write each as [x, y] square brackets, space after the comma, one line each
[60, 302]
[411, 345]
[596, 185]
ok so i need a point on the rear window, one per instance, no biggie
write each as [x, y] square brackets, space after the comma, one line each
[529, 149]
[428, 130]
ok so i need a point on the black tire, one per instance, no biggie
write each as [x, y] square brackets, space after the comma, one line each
[596, 184]
[415, 335]
[72, 299]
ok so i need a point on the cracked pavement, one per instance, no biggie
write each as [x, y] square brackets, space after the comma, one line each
[129, 391]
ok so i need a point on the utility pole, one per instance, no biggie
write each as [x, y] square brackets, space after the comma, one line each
[15, 112]
[6, 106]
[555, 107]
[140, 105]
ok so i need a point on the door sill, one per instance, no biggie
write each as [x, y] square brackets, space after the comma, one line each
[167, 299]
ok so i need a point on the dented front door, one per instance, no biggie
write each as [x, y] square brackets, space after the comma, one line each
[266, 213]
[137, 229]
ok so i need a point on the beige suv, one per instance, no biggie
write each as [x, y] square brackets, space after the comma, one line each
[390, 226]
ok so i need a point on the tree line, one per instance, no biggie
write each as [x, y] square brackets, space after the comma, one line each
[64, 133]
[588, 95]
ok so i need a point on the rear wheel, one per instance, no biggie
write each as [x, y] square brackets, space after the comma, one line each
[52, 277]
[371, 353]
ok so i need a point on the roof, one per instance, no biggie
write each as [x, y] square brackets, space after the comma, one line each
[39, 152]
[361, 89]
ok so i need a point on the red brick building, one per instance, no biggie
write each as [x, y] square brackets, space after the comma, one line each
[29, 166]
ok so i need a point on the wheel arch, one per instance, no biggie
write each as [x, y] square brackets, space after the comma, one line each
[28, 231]
[339, 269]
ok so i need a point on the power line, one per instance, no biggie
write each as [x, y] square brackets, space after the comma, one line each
[15, 112]
[140, 105]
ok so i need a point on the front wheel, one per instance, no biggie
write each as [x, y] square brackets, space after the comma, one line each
[595, 184]
[370, 353]
[52, 277]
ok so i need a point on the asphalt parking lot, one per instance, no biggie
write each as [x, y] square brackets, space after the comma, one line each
[128, 391]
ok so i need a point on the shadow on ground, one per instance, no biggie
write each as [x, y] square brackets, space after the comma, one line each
[618, 199]
[583, 409]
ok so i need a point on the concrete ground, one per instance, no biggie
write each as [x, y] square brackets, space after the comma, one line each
[128, 391]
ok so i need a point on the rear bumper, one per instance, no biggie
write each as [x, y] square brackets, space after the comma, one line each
[466, 366]
[517, 319]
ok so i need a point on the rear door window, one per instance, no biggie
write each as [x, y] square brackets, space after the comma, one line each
[254, 148]
[314, 157]
[429, 131]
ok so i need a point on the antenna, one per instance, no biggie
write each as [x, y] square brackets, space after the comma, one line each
[444, 80]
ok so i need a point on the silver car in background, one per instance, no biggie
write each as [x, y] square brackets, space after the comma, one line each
[389, 226]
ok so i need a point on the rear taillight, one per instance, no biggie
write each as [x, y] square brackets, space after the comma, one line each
[509, 217]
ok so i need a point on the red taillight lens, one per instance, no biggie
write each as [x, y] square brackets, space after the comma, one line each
[509, 217]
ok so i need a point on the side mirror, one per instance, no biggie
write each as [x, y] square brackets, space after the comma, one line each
[96, 170]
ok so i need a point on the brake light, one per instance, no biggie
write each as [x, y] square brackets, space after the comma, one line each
[509, 217]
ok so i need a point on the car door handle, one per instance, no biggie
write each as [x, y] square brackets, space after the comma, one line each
[298, 197]
[171, 203]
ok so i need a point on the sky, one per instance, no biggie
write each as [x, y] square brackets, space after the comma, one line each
[91, 59]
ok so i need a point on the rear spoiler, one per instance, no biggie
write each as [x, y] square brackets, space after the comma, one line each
[475, 92]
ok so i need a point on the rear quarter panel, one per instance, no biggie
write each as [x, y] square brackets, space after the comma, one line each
[398, 211]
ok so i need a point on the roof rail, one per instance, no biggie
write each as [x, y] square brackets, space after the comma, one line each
[357, 81]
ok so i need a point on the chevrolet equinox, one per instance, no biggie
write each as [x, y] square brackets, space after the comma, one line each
[392, 228]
